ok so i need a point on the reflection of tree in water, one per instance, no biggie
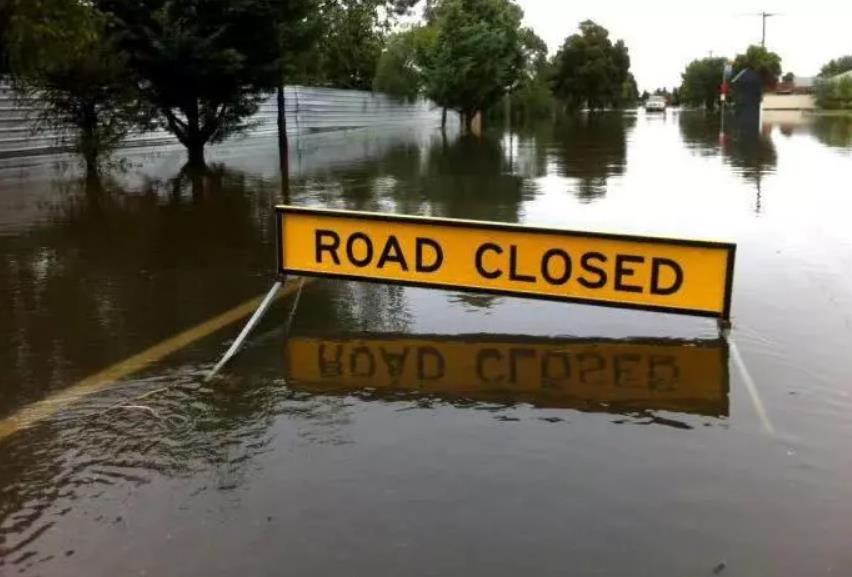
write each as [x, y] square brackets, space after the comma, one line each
[835, 131]
[592, 148]
[750, 151]
[110, 272]
[700, 131]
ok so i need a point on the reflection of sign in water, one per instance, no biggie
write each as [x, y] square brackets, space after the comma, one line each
[615, 375]
[690, 277]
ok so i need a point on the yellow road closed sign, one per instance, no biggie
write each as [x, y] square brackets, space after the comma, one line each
[670, 275]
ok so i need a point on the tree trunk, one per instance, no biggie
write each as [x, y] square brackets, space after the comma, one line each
[88, 143]
[283, 144]
[195, 154]
[194, 138]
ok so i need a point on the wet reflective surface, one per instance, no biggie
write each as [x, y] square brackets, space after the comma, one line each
[384, 430]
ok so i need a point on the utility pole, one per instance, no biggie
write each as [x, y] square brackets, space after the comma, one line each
[763, 17]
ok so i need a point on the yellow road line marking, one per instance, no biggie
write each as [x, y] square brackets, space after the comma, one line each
[751, 387]
[52, 404]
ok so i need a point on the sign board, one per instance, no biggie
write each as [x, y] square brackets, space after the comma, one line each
[594, 375]
[681, 276]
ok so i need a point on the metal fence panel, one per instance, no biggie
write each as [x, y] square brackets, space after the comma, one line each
[307, 109]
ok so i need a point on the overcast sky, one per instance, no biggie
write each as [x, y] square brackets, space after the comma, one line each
[663, 36]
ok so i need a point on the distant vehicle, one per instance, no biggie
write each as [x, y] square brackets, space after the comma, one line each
[655, 104]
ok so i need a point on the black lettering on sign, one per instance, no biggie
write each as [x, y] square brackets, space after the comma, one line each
[663, 372]
[657, 265]
[598, 365]
[481, 357]
[368, 249]
[516, 355]
[330, 367]
[392, 253]
[394, 361]
[354, 359]
[625, 371]
[513, 267]
[587, 266]
[437, 255]
[437, 365]
[549, 379]
[480, 252]
[556, 254]
[326, 241]
[621, 271]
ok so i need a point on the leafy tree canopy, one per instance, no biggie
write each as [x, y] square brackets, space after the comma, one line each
[401, 71]
[763, 62]
[478, 53]
[836, 66]
[59, 50]
[204, 64]
[353, 36]
[589, 70]
[701, 81]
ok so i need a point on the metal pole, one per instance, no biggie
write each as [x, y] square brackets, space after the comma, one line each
[255, 318]
[763, 34]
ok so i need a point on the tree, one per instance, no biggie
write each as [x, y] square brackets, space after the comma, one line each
[352, 42]
[590, 70]
[834, 94]
[676, 98]
[700, 82]
[629, 94]
[477, 55]
[789, 77]
[836, 66]
[763, 62]
[401, 68]
[531, 97]
[59, 53]
[204, 64]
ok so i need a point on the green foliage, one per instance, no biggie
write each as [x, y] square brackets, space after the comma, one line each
[532, 98]
[836, 66]
[60, 54]
[700, 82]
[789, 77]
[590, 71]
[629, 95]
[401, 71]
[204, 64]
[478, 54]
[835, 94]
[352, 41]
[765, 63]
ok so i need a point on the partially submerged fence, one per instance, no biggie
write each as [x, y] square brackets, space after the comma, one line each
[308, 110]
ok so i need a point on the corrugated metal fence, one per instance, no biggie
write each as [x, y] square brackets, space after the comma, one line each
[308, 110]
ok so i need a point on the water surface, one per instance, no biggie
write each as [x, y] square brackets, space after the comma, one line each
[370, 429]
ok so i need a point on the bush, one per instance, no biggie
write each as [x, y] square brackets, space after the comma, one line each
[835, 94]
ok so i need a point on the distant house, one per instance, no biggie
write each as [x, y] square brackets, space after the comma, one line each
[799, 85]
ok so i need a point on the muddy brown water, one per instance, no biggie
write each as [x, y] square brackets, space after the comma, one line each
[377, 430]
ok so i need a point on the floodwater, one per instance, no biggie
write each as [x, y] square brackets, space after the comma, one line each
[378, 430]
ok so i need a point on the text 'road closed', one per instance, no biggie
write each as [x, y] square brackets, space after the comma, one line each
[691, 277]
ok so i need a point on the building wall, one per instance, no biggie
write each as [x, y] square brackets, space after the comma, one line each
[788, 102]
[308, 110]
